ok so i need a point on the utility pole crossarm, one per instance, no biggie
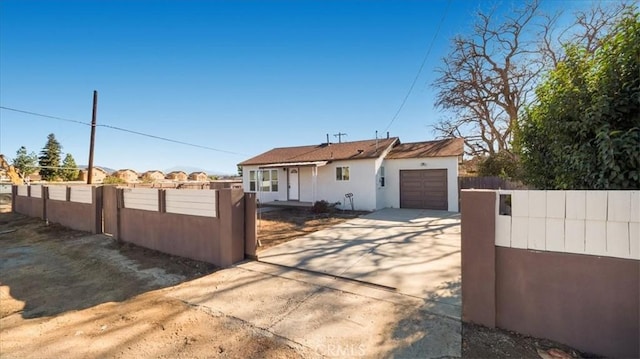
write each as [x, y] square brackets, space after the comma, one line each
[339, 135]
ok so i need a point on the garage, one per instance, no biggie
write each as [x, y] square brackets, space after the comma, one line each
[424, 189]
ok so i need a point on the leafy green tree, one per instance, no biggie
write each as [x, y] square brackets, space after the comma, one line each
[501, 164]
[584, 130]
[69, 171]
[49, 159]
[239, 170]
[25, 163]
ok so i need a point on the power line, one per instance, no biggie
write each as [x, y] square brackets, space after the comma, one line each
[46, 116]
[116, 128]
[169, 139]
[426, 56]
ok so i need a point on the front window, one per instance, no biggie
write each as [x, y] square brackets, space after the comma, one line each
[267, 180]
[342, 173]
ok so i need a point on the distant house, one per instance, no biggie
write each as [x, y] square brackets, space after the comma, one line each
[35, 177]
[198, 176]
[374, 174]
[97, 175]
[178, 176]
[127, 175]
[152, 176]
[226, 183]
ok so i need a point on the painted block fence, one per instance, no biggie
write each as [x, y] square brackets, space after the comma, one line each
[216, 226]
[601, 223]
[560, 265]
[76, 207]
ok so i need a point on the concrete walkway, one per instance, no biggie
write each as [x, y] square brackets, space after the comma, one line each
[415, 252]
[412, 309]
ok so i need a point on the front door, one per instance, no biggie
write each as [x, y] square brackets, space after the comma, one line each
[294, 189]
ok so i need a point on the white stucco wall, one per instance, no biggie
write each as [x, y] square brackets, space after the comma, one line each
[361, 183]
[391, 192]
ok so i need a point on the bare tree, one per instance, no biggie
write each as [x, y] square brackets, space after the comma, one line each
[490, 74]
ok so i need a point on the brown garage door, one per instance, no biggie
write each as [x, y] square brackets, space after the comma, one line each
[425, 189]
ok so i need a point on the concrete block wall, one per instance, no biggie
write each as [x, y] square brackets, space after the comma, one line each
[601, 223]
[76, 207]
[535, 272]
[206, 225]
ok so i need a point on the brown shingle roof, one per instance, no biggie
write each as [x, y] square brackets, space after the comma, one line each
[441, 148]
[323, 152]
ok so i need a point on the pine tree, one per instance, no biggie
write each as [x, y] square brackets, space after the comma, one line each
[50, 158]
[25, 163]
[69, 172]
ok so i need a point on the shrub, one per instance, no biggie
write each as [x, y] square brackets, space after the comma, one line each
[323, 207]
[113, 180]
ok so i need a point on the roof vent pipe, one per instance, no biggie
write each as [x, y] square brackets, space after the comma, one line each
[328, 140]
[387, 135]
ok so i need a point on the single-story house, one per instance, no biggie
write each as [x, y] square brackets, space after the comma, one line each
[374, 174]
[179, 176]
[152, 176]
[198, 176]
[97, 175]
[127, 175]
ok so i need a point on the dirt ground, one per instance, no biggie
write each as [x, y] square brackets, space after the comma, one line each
[284, 224]
[69, 294]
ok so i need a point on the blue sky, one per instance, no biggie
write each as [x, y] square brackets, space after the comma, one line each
[238, 76]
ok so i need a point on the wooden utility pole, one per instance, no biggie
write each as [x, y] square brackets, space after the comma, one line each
[93, 137]
[339, 135]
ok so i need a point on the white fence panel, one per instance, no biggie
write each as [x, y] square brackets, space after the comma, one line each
[141, 198]
[536, 238]
[519, 232]
[23, 190]
[618, 239]
[36, 191]
[193, 202]
[82, 194]
[600, 223]
[537, 204]
[595, 237]
[520, 204]
[58, 193]
[574, 235]
[634, 240]
[556, 204]
[576, 206]
[634, 215]
[554, 234]
[597, 205]
[619, 206]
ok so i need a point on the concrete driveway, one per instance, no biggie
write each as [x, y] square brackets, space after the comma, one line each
[315, 292]
[413, 252]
